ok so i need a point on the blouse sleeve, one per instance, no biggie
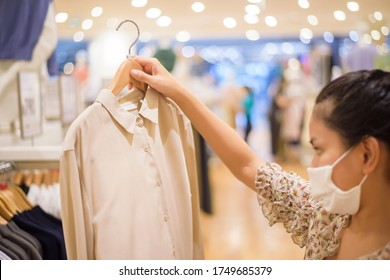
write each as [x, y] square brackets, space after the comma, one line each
[285, 198]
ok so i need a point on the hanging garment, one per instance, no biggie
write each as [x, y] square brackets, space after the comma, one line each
[128, 181]
[46, 229]
[32, 252]
[21, 24]
[26, 236]
[47, 197]
[4, 256]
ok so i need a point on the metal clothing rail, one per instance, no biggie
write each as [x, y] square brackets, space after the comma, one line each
[7, 166]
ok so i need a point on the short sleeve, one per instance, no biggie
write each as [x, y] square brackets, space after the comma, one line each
[285, 198]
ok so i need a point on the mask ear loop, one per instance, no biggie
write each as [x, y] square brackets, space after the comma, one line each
[342, 157]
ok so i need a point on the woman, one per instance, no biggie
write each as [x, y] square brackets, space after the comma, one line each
[343, 211]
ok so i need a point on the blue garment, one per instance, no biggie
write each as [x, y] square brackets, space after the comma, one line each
[21, 24]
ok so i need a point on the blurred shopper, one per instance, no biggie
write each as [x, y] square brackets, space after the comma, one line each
[247, 105]
[343, 211]
[275, 91]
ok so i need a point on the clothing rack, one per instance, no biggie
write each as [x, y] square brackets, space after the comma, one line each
[7, 166]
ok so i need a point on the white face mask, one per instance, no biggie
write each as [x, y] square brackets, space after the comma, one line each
[333, 198]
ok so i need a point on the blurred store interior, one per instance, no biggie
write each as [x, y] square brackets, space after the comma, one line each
[284, 51]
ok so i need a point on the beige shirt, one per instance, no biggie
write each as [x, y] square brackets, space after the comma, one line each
[128, 180]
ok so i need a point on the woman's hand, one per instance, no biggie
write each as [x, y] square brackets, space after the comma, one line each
[157, 77]
[224, 140]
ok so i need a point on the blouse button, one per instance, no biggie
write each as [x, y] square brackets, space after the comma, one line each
[146, 148]
[139, 122]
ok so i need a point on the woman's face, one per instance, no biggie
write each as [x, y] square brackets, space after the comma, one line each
[328, 147]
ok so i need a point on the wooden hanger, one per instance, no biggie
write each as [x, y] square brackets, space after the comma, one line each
[122, 76]
[5, 212]
[28, 178]
[48, 179]
[56, 176]
[38, 178]
[21, 197]
[9, 204]
[3, 221]
[18, 178]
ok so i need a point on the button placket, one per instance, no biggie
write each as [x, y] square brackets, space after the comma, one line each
[139, 121]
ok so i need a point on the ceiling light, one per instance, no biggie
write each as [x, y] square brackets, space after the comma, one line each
[312, 20]
[252, 9]
[68, 67]
[87, 24]
[353, 6]
[339, 15]
[304, 40]
[354, 36]
[183, 36]
[378, 16]
[139, 3]
[255, 1]
[367, 39]
[78, 36]
[385, 30]
[61, 17]
[376, 35]
[252, 35]
[164, 21]
[198, 7]
[306, 33]
[328, 37]
[97, 11]
[188, 51]
[271, 21]
[304, 4]
[153, 13]
[229, 22]
[251, 19]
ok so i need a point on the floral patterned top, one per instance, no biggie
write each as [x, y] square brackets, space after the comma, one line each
[285, 198]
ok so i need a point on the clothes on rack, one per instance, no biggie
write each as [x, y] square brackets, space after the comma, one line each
[46, 229]
[46, 193]
[25, 245]
[128, 181]
[26, 232]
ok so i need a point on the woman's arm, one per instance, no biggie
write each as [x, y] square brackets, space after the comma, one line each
[224, 140]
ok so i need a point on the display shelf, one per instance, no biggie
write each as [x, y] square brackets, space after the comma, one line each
[30, 153]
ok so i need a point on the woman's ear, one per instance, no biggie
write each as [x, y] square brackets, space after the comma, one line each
[371, 149]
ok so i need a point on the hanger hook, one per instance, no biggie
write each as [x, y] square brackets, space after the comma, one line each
[136, 39]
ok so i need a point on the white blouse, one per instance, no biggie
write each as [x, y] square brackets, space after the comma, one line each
[128, 181]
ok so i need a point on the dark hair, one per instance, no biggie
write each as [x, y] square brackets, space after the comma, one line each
[358, 105]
